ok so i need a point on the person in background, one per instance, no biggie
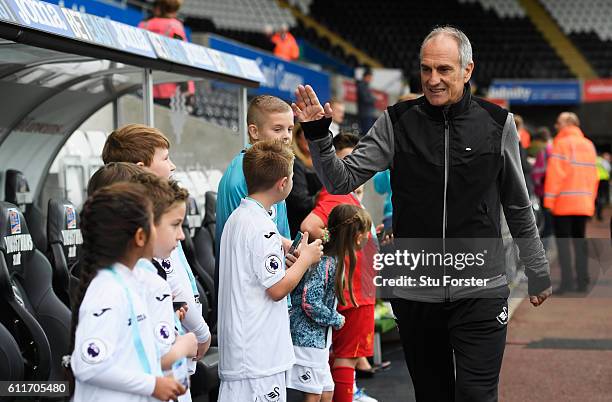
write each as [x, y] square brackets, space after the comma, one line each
[165, 22]
[382, 185]
[306, 184]
[366, 102]
[268, 117]
[603, 192]
[337, 117]
[524, 136]
[569, 192]
[285, 45]
[541, 148]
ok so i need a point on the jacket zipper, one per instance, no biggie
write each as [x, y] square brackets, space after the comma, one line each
[444, 212]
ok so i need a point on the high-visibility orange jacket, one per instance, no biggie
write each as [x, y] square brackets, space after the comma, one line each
[286, 46]
[525, 138]
[571, 176]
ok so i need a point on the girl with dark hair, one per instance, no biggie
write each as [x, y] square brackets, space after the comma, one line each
[114, 356]
[314, 303]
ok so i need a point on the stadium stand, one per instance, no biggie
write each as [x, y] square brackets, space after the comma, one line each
[302, 5]
[240, 15]
[498, 34]
[503, 8]
[587, 24]
[392, 34]
[217, 105]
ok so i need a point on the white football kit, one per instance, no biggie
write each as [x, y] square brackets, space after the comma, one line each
[254, 337]
[184, 289]
[158, 297]
[311, 372]
[115, 357]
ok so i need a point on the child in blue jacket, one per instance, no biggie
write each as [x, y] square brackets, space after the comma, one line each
[315, 298]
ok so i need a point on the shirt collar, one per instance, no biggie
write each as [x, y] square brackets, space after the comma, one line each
[254, 204]
[449, 111]
[122, 269]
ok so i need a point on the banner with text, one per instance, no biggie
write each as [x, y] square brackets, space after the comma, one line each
[536, 92]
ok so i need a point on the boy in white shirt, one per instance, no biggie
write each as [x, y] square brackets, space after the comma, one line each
[254, 339]
[149, 148]
[169, 204]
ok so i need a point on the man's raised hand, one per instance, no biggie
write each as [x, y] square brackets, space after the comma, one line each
[307, 106]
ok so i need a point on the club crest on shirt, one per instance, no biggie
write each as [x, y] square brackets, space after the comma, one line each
[93, 351]
[273, 263]
[272, 212]
[167, 266]
[15, 221]
[163, 334]
[502, 317]
[70, 217]
[273, 395]
[306, 377]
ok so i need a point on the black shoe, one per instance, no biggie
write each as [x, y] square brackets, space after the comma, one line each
[364, 373]
[561, 290]
[583, 288]
[375, 369]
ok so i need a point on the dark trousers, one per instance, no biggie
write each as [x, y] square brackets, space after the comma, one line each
[453, 350]
[570, 231]
[603, 197]
[365, 123]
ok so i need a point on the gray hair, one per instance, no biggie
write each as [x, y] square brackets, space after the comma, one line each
[571, 118]
[463, 43]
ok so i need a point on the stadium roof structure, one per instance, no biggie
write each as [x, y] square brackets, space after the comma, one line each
[59, 66]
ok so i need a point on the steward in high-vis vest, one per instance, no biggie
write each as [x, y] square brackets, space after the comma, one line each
[570, 190]
[571, 176]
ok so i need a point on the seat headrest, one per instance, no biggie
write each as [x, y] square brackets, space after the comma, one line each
[15, 239]
[64, 227]
[210, 214]
[16, 189]
[193, 220]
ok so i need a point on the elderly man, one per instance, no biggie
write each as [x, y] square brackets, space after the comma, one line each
[454, 162]
[570, 190]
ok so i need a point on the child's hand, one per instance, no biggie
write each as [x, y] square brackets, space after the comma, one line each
[312, 252]
[180, 313]
[342, 321]
[167, 388]
[188, 344]
[290, 259]
[202, 349]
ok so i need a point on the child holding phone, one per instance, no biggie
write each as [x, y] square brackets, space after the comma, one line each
[254, 337]
[314, 303]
